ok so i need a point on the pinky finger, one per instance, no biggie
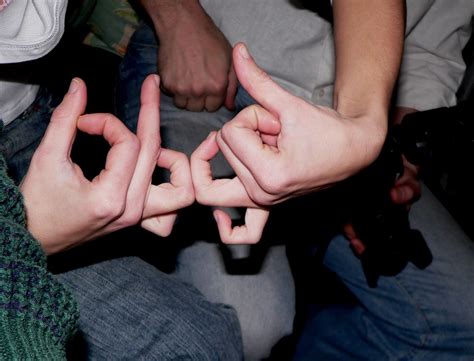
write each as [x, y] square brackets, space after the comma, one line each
[249, 233]
[160, 225]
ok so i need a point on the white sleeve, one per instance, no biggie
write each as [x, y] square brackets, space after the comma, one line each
[29, 29]
[432, 66]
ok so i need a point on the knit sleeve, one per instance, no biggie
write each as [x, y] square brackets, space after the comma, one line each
[11, 200]
[37, 314]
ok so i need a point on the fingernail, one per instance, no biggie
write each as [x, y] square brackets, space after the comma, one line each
[73, 86]
[157, 80]
[244, 52]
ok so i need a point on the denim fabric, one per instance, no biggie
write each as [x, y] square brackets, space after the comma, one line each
[264, 302]
[20, 138]
[131, 311]
[417, 315]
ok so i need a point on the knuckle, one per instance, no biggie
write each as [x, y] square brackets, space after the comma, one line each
[187, 196]
[201, 196]
[253, 239]
[166, 230]
[275, 183]
[109, 207]
[130, 218]
[59, 112]
[133, 142]
[217, 86]
[197, 90]
[227, 130]
[166, 83]
[179, 89]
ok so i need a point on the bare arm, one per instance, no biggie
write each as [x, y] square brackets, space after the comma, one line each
[195, 58]
[369, 42]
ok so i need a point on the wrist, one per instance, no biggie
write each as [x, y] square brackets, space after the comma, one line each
[165, 14]
[370, 134]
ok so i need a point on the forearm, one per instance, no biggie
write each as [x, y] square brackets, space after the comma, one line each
[165, 14]
[369, 41]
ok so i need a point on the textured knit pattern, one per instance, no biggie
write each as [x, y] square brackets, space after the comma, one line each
[37, 314]
[11, 201]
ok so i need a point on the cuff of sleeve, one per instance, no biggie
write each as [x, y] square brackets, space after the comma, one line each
[21, 339]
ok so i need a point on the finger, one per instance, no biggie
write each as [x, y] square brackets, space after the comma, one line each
[160, 225]
[243, 135]
[148, 132]
[220, 192]
[356, 244]
[213, 102]
[123, 154]
[195, 104]
[403, 194]
[252, 180]
[176, 194]
[180, 101]
[249, 233]
[61, 131]
[229, 101]
[257, 82]
[271, 140]
[349, 231]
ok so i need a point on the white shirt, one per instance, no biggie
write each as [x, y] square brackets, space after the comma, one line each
[296, 47]
[29, 29]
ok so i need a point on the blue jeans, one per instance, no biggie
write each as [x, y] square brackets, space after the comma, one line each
[416, 315]
[20, 138]
[129, 310]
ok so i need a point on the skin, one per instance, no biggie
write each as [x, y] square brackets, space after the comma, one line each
[65, 209]
[286, 147]
[195, 58]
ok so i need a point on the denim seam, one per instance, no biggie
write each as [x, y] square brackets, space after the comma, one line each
[424, 337]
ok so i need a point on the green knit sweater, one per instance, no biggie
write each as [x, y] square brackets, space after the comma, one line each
[37, 314]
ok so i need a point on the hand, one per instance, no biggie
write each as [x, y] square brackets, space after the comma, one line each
[282, 148]
[216, 193]
[286, 147]
[65, 209]
[195, 61]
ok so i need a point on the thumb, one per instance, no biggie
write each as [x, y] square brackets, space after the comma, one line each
[61, 131]
[257, 82]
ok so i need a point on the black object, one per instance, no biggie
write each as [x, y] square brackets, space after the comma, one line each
[441, 141]
[439, 138]
[321, 7]
[380, 224]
